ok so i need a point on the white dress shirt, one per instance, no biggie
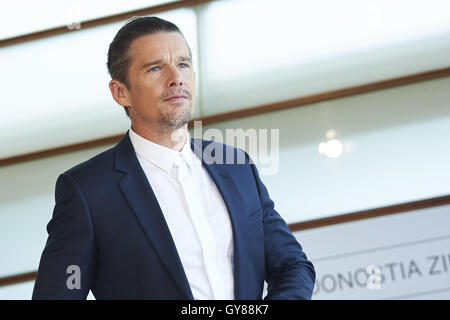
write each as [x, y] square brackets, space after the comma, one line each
[195, 213]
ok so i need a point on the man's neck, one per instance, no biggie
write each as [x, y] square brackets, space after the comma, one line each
[174, 139]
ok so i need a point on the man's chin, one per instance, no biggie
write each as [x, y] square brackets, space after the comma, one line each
[174, 123]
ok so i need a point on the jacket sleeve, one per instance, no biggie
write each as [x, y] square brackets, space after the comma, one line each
[289, 274]
[67, 262]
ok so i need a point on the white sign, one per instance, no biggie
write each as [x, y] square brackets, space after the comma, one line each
[399, 256]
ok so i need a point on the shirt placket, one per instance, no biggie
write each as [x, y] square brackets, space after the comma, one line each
[197, 213]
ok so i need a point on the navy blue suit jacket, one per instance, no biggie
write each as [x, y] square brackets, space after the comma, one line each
[107, 221]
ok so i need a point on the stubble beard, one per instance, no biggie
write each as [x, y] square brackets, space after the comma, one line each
[175, 119]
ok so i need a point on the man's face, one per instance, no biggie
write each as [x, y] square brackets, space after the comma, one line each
[161, 80]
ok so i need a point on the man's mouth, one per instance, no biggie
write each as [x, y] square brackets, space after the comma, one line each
[178, 97]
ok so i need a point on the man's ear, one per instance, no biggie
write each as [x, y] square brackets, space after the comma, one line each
[119, 93]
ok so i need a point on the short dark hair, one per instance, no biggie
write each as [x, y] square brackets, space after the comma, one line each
[118, 56]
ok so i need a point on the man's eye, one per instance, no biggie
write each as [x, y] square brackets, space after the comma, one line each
[157, 68]
[184, 65]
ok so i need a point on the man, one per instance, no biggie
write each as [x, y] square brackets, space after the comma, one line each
[155, 217]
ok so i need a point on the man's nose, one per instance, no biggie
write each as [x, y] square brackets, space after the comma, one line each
[174, 79]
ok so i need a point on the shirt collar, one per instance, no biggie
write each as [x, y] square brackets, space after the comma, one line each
[160, 156]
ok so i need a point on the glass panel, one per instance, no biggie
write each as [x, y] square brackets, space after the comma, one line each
[352, 154]
[294, 48]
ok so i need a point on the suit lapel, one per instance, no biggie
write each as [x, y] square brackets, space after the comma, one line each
[235, 205]
[142, 200]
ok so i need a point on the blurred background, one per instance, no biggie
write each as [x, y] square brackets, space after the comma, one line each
[357, 91]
